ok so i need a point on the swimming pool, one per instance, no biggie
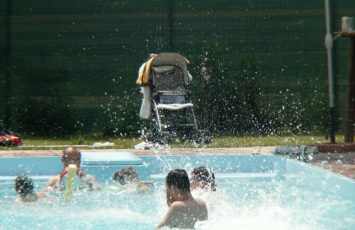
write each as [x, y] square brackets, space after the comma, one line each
[253, 192]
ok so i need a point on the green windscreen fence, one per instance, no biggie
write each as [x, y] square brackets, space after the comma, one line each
[71, 66]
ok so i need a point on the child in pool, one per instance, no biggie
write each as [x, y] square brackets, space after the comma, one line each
[202, 178]
[129, 176]
[184, 210]
[25, 189]
[72, 155]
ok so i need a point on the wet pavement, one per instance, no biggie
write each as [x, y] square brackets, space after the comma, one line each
[342, 163]
[338, 162]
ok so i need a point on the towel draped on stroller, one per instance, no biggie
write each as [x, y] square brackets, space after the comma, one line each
[165, 79]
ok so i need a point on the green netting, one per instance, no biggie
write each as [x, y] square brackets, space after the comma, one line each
[74, 63]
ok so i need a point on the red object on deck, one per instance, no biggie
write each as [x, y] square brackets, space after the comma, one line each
[10, 139]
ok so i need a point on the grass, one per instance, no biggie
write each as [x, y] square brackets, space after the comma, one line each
[85, 142]
[249, 141]
[31, 142]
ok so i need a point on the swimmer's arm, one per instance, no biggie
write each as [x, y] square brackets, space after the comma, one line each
[92, 181]
[147, 182]
[167, 217]
[51, 184]
[203, 215]
[142, 185]
[173, 216]
[41, 195]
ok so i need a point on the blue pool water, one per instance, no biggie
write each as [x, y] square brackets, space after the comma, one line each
[253, 192]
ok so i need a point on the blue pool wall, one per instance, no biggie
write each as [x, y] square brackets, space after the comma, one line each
[316, 178]
[37, 166]
[40, 166]
[319, 179]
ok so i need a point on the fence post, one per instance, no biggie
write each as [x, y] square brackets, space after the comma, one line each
[330, 59]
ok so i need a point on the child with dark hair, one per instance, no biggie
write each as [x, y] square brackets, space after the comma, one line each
[202, 178]
[184, 210]
[126, 176]
[25, 188]
[129, 176]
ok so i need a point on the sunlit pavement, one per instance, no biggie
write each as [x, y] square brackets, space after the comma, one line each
[343, 163]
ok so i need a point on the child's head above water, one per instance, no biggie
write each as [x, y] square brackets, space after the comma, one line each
[126, 176]
[24, 185]
[201, 177]
[71, 155]
[178, 178]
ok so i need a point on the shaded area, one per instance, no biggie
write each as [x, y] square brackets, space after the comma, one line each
[97, 48]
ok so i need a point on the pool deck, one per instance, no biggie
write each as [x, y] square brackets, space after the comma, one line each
[339, 162]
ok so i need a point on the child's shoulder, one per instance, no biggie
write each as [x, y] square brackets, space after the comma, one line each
[179, 204]
[200, 202]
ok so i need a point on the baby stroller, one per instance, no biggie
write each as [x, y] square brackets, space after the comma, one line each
[172, 108]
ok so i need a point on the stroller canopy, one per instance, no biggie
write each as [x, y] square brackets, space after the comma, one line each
[171, 59]
[162, 59]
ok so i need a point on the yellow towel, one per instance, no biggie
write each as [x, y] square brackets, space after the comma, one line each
[143, 76]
